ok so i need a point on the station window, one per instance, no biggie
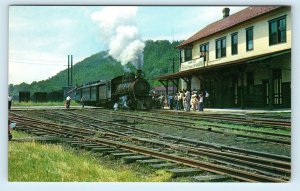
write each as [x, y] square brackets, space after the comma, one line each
[277, 30]
[181, 54]
[187, 54]
[249, 38]
[204, 48]
[234, 43]
[221, 47]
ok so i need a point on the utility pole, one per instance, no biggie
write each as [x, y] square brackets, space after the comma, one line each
[71, 70]
[173, 69]
[68, 70]
[173, 63]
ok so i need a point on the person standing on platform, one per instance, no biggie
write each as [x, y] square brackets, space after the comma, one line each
[176, 101]
[194, 101]
[171, 101]
[9, 101]
[184, 101]
[82, 101]
[180, 100]
[9, 133]
[207, 99]
[201, 99]
[68, 102]
[188, 100]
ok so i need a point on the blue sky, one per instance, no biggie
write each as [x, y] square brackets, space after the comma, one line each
[41, 37]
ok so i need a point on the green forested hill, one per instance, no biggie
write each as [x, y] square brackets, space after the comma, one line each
[157, 61]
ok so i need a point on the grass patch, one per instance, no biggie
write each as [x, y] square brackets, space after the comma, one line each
[19, 134]
[37, 162]
[245, 127]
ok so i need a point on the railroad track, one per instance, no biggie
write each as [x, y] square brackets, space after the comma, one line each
[269, 165]
[276, 137]
[77, 118]
[230, 118]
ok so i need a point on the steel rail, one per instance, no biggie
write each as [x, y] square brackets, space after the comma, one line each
[172, 124]
[216, 154]
[283, 124]
[178, 139]
[235, 173]
[215, 126]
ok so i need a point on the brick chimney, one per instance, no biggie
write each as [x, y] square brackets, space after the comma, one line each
[226, 12]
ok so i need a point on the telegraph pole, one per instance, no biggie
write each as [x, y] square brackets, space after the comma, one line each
[71, 70]
[68, 70]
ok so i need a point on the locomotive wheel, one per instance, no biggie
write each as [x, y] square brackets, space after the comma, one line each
[132, 104]
[148, 104]
[139, 105]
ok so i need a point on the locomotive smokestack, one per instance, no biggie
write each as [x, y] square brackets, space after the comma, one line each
[139, 73]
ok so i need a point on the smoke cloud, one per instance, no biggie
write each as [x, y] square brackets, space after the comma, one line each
[120, 33]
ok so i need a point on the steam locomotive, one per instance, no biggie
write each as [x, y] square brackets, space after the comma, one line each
[131, 89]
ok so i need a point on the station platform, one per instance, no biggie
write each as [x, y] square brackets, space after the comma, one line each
[233, 110]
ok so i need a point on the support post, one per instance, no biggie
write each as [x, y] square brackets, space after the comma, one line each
[241, 74]
[165, 83]
[271, 89]
[176, 83]
[188, 81]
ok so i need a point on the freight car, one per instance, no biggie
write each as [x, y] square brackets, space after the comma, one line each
[130, 89]
[24, 96]
[39, 97]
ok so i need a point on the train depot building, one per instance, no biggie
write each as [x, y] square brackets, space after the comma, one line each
[242, 60]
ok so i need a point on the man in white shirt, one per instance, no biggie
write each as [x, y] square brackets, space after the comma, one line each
[188, 100]
[68, 102]
[9, 101]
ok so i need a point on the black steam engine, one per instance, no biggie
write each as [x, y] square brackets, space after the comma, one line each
[130, 90]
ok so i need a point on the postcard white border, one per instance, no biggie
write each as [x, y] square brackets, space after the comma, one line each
[292, 186]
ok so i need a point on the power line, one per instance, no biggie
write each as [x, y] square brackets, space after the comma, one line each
[33, 60]
[32, 63]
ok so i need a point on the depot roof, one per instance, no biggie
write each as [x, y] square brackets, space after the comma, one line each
[230, 21]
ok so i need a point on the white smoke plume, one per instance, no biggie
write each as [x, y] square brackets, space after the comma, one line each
[120, 33]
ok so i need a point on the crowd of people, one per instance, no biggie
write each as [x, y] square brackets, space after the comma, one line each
[182, 100]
